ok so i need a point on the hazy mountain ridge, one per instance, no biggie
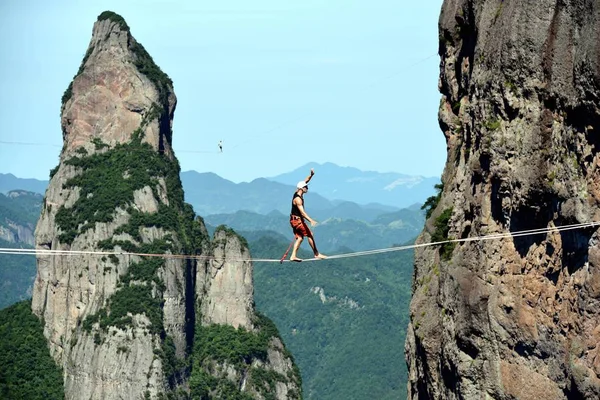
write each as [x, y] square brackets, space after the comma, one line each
[390, 188]
[10, 182]
[339, 192]
[211, 194]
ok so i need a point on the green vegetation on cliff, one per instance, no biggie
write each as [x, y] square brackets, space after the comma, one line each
[216, 346]
[114, 17]
[432, 201]
[27, 371]
[108, 180]
[440, 234]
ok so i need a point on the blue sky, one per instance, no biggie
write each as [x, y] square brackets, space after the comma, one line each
[281, 83]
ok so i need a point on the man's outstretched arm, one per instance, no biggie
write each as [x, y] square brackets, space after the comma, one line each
[309, 177]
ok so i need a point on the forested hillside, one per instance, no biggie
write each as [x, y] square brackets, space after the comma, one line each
[19, 212]
[16, 275]
[20, 206]
[344, 320]
[27, 372]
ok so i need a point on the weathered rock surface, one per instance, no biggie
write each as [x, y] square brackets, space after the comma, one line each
[13, 232]
[121, 324]
[519, 317]
[228, 283]
[25, 205]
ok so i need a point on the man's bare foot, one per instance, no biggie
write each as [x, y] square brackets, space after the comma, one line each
[321, 256]
[296, 259]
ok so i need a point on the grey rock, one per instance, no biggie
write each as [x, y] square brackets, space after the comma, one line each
[512, 318]
[229, 290]
[16, 233]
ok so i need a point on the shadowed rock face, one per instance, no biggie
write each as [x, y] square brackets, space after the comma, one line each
[122, 326]
[519, 317]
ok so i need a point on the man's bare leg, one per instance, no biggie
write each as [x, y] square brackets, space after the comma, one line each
[312, 244]
[297, 243]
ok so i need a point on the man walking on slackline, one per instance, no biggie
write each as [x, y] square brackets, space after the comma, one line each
[298, 216]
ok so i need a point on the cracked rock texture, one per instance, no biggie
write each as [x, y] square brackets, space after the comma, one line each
[228, 283]
[516, 317]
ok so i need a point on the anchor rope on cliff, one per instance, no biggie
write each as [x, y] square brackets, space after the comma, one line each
[493, 236]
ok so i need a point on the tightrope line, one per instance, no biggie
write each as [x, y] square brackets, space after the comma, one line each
[529, 232]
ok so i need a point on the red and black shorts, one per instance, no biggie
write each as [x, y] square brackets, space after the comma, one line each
[299, 226]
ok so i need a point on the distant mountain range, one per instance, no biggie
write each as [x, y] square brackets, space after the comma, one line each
[10, 182]
[210, 194]
[340, 192]
[363, 187]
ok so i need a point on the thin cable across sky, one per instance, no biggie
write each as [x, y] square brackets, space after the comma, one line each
[530, 232]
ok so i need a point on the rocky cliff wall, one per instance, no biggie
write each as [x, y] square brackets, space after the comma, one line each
[18, 212]
[13, 232]
[124, 325]
[513, 318]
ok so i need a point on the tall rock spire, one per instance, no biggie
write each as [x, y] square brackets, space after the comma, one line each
[116, 188]
[118, 90]
[125, 326]
[515, 317]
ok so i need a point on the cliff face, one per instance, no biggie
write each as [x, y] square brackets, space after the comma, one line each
[519, 317]
[12, 232]
[23, 206]
[124, 326]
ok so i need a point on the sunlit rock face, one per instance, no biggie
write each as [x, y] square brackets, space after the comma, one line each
[515, 317]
